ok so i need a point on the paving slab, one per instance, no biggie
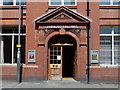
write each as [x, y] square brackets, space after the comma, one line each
[56, 84]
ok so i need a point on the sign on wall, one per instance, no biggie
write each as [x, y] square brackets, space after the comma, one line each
[31, 56]
[94, 56]
[60, 26]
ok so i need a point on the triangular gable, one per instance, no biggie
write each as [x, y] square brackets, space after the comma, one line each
[63, 18]
[62, 15]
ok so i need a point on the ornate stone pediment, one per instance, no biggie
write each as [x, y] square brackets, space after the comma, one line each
[61, 15]
[63, 18]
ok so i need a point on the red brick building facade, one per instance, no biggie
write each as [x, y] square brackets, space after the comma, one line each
[54, 40]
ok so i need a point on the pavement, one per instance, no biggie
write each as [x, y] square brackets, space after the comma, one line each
[67, 83]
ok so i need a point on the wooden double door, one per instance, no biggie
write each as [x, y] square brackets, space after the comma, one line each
[61, 62]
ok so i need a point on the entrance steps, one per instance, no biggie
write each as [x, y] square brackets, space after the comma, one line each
[69, 79]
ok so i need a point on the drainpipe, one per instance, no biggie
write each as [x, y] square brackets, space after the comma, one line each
[88, 53]
[88, 44]
[18, 46]
[88, 8]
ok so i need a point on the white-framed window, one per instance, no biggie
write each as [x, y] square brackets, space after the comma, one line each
[110, 45]
[109, 2]
[12, 2]
[8, 42]
[62, 2]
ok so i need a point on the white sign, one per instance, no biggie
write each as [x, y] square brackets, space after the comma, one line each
[94, 56]
[58, 57]
[60, 26]
[31, 56]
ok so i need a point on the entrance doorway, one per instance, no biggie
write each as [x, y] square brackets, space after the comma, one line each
[61, 57]
[68, 61]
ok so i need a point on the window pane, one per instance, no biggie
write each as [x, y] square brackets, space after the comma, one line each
[117, 49]
[15, 49]
[55, 53]
[1, 50]
[59, 53]
[7, 2]
[69, 2]
[7, 43]
[51, 48]
[59, 61]
[55, 57]
[56, 2]
[104, 2]
[55, 48]
[116, 2]
[105, 30]
[116, 30]
[105, 50]
[51, 62]
[7, 30]
[51, 57]
[55, 62]
[23, 2]
[12, 30]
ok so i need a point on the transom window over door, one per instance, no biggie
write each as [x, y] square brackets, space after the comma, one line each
[62, 2]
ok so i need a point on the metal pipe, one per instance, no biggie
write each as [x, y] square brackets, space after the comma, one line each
[88, 53]
[88, 8]
[19, 53]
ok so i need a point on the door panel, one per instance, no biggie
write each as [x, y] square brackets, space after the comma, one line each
[55, 63]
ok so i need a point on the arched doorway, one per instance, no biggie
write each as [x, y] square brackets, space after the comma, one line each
[61, 57]
[51, 27]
